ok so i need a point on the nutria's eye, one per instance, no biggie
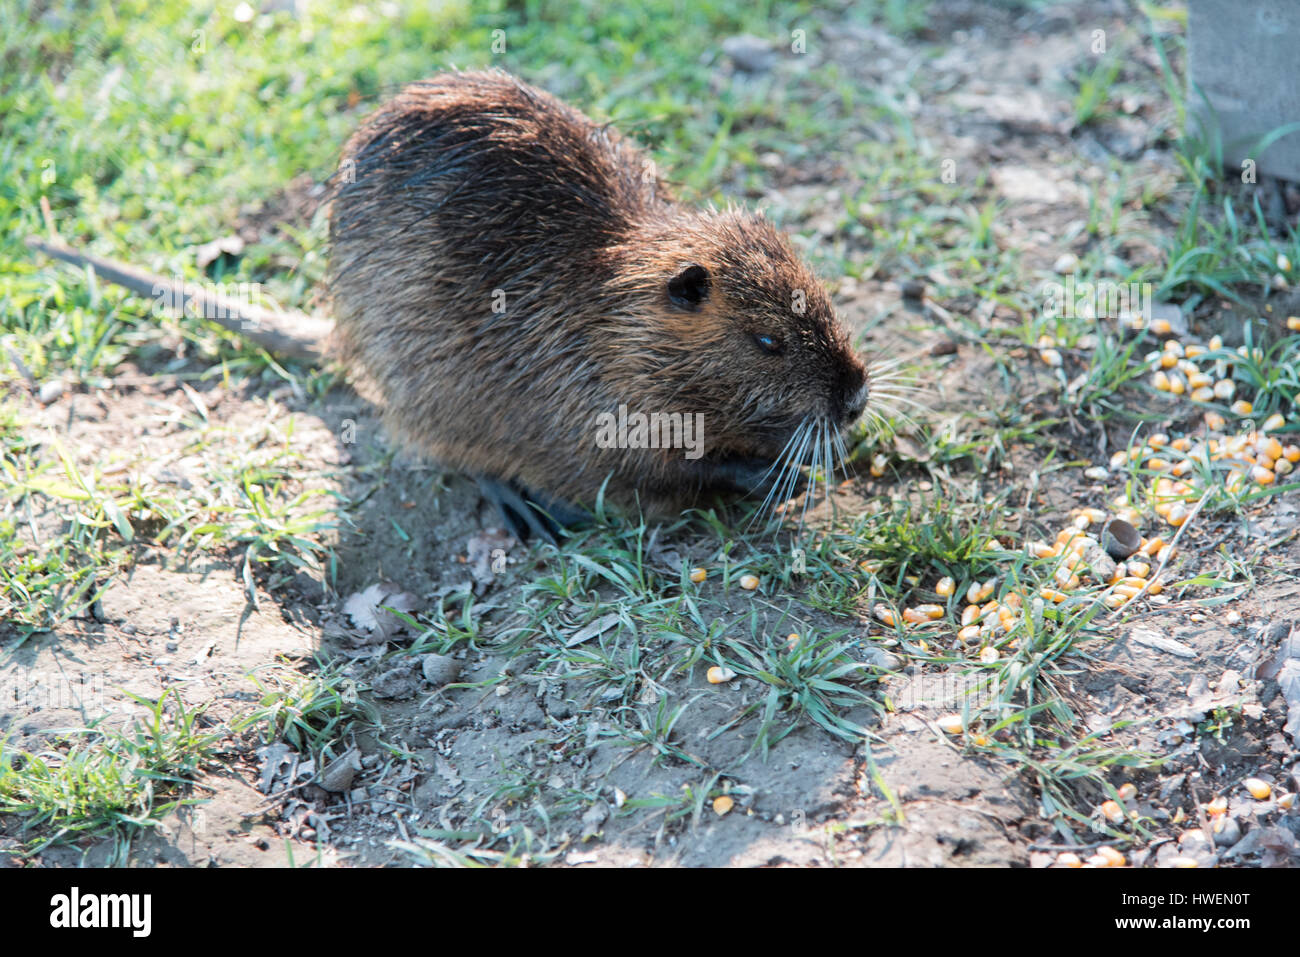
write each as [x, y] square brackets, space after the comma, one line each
[769, 344]
[690, 287]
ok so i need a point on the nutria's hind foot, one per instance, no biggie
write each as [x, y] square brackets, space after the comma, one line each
[527, 513]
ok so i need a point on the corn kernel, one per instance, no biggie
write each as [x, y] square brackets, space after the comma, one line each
[1291, 453]
[1128, 790]
[885, 614]
[1262, 476]
[950, 723]
[988, 654]
[1215, 422]
[1113, 857]
[1242, 407]
[932, 612]
[1216, 807]
[1139, 569]
[945, 587]
[1274, 422]
[969, 633]
[749, 582]
[722, 804]
[1293, 323]
[1051, 357]
[1259, 789]
[1216, 343]
[718, 675]
[698, 575]
[1161, 327]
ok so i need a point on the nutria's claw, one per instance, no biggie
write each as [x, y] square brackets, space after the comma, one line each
[526, 513]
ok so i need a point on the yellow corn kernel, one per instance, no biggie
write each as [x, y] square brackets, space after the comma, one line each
[1193, 351]
[1203, 394]
[885, 614]
[1139, 569]
[969, 633]
[1052, 595]
[945, 587]
[1259, 789]
[1216, 343]
[1262, 476]
[1161, 327]
[931, 612]
[1274, 422]
[1113, 812]
[950, 723]
[1216, 807]
[970, 614]
[1242, 407]
[988, 654]
[699, 574]
[1128, 790]
[718, 675]
[749, 582]
[1176, 384]
[1113, 857]
[1293, 323]
[1215, 422]
[1051, 357]
[722, 804]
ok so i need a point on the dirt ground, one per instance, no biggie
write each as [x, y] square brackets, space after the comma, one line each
[489, 750]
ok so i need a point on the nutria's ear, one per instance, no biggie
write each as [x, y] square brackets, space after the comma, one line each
[689, 287]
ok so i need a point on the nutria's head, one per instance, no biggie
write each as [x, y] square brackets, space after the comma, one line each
[726, 320]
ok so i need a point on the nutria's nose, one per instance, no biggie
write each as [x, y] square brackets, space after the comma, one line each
[854, 402]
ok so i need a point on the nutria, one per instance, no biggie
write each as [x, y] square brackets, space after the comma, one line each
[508, 274]
[511, 278]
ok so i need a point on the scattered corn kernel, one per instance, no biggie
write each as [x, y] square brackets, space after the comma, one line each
[749, 582]
[1216, 807]
[1259, 789]
[1262, 476]
[885, 614]
[945, 587]
[1113, 857]
[1293, 323]
[1242, 407]
[722, 804]
[1128, 790]
[1139, 569]
[969, 633]
[698, 575]
[719, 675]
[1286, 801]
[1274, 422]
[1215, 422]
[1051, 357]
[950, 723]
[988, 654]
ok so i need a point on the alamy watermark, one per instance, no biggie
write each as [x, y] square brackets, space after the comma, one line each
[1096, 300]
[653, 430]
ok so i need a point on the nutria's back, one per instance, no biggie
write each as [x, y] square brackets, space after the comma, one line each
[504, 271]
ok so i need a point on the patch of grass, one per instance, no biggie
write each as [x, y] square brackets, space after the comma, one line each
[99, 781]
[313, 713]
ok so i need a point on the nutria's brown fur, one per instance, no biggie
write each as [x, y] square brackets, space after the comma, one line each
[503, 270]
